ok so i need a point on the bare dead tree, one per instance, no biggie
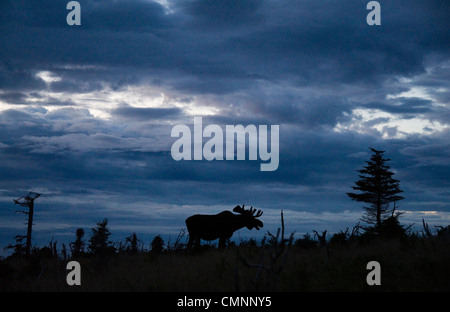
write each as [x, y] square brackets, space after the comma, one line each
[443, 233]
[177, 245]
[426, 230]
[322, 238]
[277, 248]
[355, 231]
[323, 243]
[28, 202]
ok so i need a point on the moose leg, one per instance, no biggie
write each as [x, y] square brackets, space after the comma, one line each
[222, 243]
[190, 242]
[193, 241]
[197, 243]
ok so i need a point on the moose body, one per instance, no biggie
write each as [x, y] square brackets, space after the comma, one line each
[221, 226]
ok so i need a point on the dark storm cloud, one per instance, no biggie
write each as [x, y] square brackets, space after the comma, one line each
[404, 106]
[222, 46]
[122, 16]
[146, 113]
[14, 75]
[319, 162]
[223, 13]
[14, 97]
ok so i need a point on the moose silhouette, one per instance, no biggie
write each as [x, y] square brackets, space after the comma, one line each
[222, 225]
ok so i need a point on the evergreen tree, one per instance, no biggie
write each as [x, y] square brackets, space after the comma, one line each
[157, 244]
[99, 242]
[132, 243]
[77, 247]
[377, 188]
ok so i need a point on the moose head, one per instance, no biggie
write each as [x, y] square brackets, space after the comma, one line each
[250, 217]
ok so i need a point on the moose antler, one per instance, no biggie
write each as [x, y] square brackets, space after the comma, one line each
[258, 214]
[250, 211]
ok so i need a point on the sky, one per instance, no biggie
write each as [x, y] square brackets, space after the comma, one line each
[86, 111]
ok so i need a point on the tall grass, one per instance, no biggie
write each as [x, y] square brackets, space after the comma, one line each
[411, 265]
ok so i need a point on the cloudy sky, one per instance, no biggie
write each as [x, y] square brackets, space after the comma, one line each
[86, 112]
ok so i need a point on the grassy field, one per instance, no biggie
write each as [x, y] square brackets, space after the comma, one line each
[406, 265]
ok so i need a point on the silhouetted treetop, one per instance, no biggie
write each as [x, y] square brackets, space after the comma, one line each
[99, 242]
[77, 247]
[378, 188]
